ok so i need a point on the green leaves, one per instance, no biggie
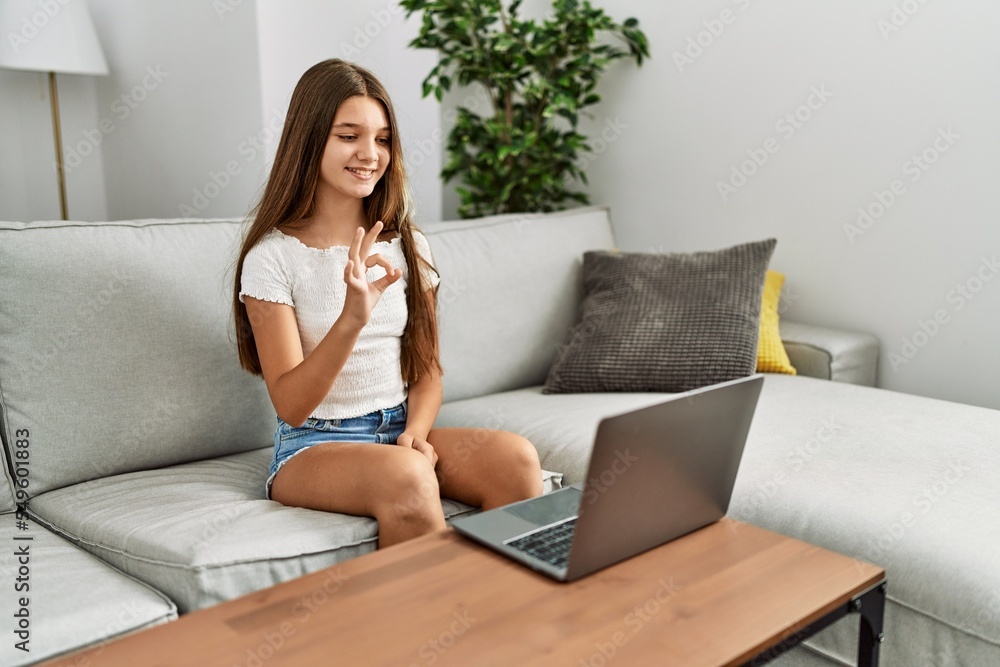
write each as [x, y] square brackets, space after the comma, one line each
[521, 154]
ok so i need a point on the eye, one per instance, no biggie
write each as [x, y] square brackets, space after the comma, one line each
[384, 140]
[348, 137]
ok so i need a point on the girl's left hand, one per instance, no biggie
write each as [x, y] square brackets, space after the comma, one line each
[407, 439]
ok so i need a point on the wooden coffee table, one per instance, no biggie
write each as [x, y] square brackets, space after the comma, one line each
[729, 594]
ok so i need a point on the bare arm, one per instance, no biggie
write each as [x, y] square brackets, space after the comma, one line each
[296, 384]
[423, 403]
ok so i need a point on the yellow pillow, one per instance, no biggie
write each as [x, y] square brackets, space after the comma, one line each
[771, 355]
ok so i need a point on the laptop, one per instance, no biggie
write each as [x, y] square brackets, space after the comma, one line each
[655, 474]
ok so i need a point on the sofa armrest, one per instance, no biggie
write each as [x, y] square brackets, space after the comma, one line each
[831, 354]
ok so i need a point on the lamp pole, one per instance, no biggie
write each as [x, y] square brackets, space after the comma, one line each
[54, 95]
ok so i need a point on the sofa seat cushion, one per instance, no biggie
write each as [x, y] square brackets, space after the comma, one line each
[74, 599]
[905, 482]
[203, 532]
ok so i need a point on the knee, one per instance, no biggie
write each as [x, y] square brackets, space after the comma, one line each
[412, 491]
[525, 471]
[524, 454]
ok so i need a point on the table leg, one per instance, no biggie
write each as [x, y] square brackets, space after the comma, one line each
[871, 606]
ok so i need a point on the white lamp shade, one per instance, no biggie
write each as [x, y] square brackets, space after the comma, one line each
[49, 36]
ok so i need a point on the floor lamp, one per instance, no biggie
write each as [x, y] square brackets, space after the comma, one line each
[54, 38]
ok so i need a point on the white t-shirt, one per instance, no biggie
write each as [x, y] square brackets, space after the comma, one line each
[282, 269]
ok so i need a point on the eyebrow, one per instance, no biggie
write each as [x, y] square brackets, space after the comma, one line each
[384, 129]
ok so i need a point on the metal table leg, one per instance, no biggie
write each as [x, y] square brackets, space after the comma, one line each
[869, 605]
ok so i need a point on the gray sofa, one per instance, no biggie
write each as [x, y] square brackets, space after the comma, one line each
[147, 446]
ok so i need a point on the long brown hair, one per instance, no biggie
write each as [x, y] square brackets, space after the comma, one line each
[290, 195]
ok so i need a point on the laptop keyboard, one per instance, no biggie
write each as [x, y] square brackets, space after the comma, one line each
[550, 544]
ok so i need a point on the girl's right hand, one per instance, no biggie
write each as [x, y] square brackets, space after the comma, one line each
[361, 294]
[407, 439]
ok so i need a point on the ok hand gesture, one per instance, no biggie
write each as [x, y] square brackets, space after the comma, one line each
[362, 295]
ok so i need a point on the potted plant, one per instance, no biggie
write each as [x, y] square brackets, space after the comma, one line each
[539, 76]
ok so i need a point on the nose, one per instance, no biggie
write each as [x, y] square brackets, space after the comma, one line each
[367, 151]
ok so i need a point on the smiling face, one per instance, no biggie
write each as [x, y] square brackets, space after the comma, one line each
[357, 151]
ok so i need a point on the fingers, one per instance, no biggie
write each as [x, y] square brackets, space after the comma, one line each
[353, 276]
[378, 259]
[359, 261]
[382, 284]
[419, 444]
[369, 238]
[392, 274]
[360, 248]
[354, 252]
[427, 450]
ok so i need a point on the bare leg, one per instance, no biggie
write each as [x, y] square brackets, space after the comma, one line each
[485, 467]
[396, 485]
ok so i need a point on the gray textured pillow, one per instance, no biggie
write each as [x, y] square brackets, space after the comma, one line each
[668, 323]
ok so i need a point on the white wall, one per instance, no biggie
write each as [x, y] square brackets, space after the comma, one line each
[373, 34]
[182, 97]
[675, 133]
[206, 86]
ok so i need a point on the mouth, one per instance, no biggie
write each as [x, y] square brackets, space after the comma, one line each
[362, 174]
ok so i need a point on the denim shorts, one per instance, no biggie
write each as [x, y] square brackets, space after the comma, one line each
[381, 426]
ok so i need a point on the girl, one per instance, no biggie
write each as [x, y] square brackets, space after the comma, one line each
[335, 308]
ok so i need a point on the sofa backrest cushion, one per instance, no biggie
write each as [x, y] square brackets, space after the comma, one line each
[116, 348]
[510, 292]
